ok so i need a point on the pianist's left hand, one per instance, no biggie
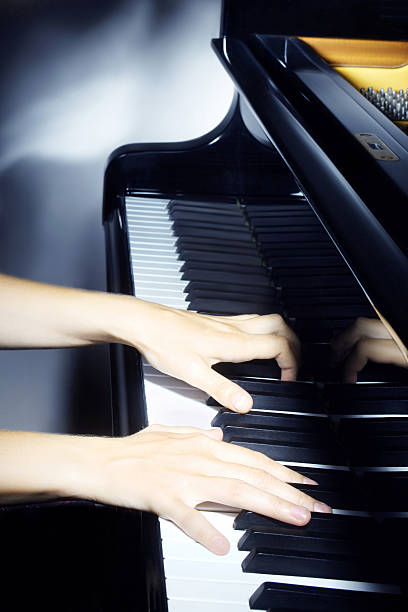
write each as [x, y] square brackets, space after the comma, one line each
[180, 343]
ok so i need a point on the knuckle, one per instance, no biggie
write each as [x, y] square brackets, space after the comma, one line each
[235, 489]
[262, 479]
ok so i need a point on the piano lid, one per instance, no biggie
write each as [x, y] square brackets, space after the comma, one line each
[350, 161]
[372, 19]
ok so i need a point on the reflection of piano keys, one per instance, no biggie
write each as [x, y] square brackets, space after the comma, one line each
[273, 254]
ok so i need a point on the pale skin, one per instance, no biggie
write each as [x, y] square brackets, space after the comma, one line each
[365, 340]
[168, 471]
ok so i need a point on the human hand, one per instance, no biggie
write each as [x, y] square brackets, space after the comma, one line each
[365, 340]
[185, 345]
[171, 470]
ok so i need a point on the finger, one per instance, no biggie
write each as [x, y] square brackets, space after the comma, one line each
[370, 349]
[362, 327]
[236, 493]
[258, 346]
[193, 523]
[224, 391]
[246, 457]
[266, 482]
[213, 432]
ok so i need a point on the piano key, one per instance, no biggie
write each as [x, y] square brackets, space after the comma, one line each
[216, 276]
[294, 452]
[275, 597]
[209, 285]
[236, 267]
[270, 421]
[202, 255]
[257, 434]
[319, 523]
[255, 538]
[317, 565]
[232, 245]
[232, 307]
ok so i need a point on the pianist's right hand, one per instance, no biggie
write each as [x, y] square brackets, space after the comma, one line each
[165, 470]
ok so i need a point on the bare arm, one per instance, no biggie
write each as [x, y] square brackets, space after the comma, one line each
[164, 470]
[180, 343]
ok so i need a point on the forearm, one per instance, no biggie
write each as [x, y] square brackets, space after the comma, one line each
[36, 466]
[46, 316]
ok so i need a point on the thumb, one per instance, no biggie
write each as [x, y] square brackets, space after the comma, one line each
[224, 391]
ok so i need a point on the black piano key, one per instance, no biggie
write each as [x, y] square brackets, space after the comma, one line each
[289, 389]
[379, 457]
[320, 281]
[375, 391]
[265, 224]
[304, 261]
[252, 434]
[266, 291]
[271, 421]
[263, 368]
[219, 234]
[324, 300]
[386, 491]
[287, 207]
[295, 452]
[219, 219]
[197, 205]
[233, 307]
[280, 237]
[355, 428]
[267, 402]
[305, 249]
[199, 254]
[344, 499]
[218, 276]
[313, 542]
[238, 296]
[362, 407]
[233, 245]
[337, 480]
[342, 525]
[317, 565]
[304, 292]
[238, 267]
[278, 597]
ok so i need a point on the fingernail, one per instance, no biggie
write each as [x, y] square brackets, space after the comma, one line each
[220, 545]
[309, 481]
[300, 514]
[320, 507]
[241, 402]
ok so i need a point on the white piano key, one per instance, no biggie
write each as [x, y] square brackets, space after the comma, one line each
[210, 592]
[187, 605]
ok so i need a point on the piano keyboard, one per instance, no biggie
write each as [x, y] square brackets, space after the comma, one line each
[196, 580]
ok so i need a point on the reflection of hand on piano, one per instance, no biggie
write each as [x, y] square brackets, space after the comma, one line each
[171, 470]
[185, 345]
[365, 340]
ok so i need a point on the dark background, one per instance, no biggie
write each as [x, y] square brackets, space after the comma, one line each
[78, 79]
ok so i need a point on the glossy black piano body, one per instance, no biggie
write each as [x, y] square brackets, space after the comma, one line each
[291, 105]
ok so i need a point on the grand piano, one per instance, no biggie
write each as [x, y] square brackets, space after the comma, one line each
[294, 204]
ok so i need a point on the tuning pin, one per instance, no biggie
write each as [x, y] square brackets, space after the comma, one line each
[382, 91]
[389, 90]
